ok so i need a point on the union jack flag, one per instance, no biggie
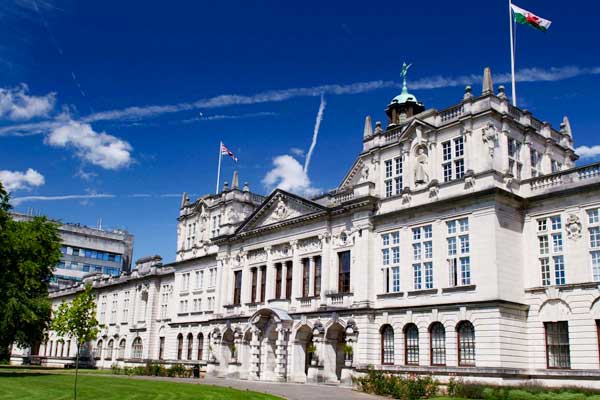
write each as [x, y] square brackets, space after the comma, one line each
[226, 152]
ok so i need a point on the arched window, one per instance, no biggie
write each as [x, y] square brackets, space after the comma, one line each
[200, 345]
[121, 354]
[62, 347]
[109, 350]
[179, 346]
[137, 348]
[437, 339]
[411, 344]
[68, 345]
[466, 343]
[50, 349]
[190, 345]
[387, 345]
[97, 350]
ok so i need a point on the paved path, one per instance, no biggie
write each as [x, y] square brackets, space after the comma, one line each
[291, 391]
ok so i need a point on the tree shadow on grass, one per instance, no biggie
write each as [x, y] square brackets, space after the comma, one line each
[12, 374]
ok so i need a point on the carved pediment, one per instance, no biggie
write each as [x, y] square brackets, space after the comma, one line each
[279, 207]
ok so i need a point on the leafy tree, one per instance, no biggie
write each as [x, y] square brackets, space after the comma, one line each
[29, 250]
[77, 320]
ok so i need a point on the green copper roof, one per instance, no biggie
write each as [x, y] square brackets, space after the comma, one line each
[404, 96]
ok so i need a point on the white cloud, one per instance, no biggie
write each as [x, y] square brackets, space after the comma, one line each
[16, 180]
[288, 174]
[18, 200]
[588, 152]
[297, 152]
[17, 104]
[426, 83]
[98, 148]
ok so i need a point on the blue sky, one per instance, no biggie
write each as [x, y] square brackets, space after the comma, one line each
[122, 104]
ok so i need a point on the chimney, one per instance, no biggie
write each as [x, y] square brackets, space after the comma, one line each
[184, 200]
[235, 180]
[488, 84]
[368, 131]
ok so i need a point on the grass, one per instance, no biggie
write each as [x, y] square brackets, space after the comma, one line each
[51, 386]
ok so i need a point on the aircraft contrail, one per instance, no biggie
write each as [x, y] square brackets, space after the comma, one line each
[315, 133]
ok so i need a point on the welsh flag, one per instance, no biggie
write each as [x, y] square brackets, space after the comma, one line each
[528, 18]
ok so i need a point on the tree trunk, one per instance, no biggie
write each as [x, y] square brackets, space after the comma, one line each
[76, 372]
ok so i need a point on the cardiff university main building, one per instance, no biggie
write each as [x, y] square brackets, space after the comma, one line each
[462, 242]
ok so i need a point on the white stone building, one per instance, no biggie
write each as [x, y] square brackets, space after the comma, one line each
[462, 242]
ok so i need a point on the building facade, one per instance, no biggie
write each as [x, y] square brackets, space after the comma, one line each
[461, 242]
[88, 251]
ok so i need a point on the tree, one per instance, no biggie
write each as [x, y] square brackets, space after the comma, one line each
[29, 250]
[77, 320]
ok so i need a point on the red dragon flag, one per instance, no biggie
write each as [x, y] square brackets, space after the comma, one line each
[528, 18]
[226, 152]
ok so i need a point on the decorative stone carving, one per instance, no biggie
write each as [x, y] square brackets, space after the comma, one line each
[434, 189]
[573, 226]
[406, 196]
[258, 255]
[309, 245]
[421, 166]
[364, 176]
[489, 135]
[280, 251]
[281, 210]
[469, 179]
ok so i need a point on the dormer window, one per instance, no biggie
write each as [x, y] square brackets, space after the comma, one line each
[393, 176]
[535, 157]
[453, 159]
[216, 225]
[515, 166]
[556, 166]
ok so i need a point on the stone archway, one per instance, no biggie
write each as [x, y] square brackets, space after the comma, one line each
[269, 344]
[333, 352]
[300, 355]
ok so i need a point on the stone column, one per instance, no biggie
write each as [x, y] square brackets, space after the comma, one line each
[325, 264]
[296, 271]
[254, 361]
[281, 353]
[270, 270]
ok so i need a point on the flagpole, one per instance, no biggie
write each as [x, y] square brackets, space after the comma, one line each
[219, 167]
[512, 55]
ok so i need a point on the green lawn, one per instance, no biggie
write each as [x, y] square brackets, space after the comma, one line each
[40, 386]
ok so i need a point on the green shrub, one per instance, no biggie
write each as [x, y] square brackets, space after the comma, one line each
[411, 388]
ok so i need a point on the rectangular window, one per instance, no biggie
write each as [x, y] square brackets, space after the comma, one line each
[395, 279]
[237, 290]
[545, 265]
[278, 277]
[317, 289]
[535, 158]
[344, 271]
[254, 284]
[305, 276]
[459, 261]
[453, 162]
[558, 353]
[418, 279]
[393, 176]
[550, 244]
[595, 265]
[161, 348]
[263, 283]
[390, 260]
[423, 256]
[559, 270]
